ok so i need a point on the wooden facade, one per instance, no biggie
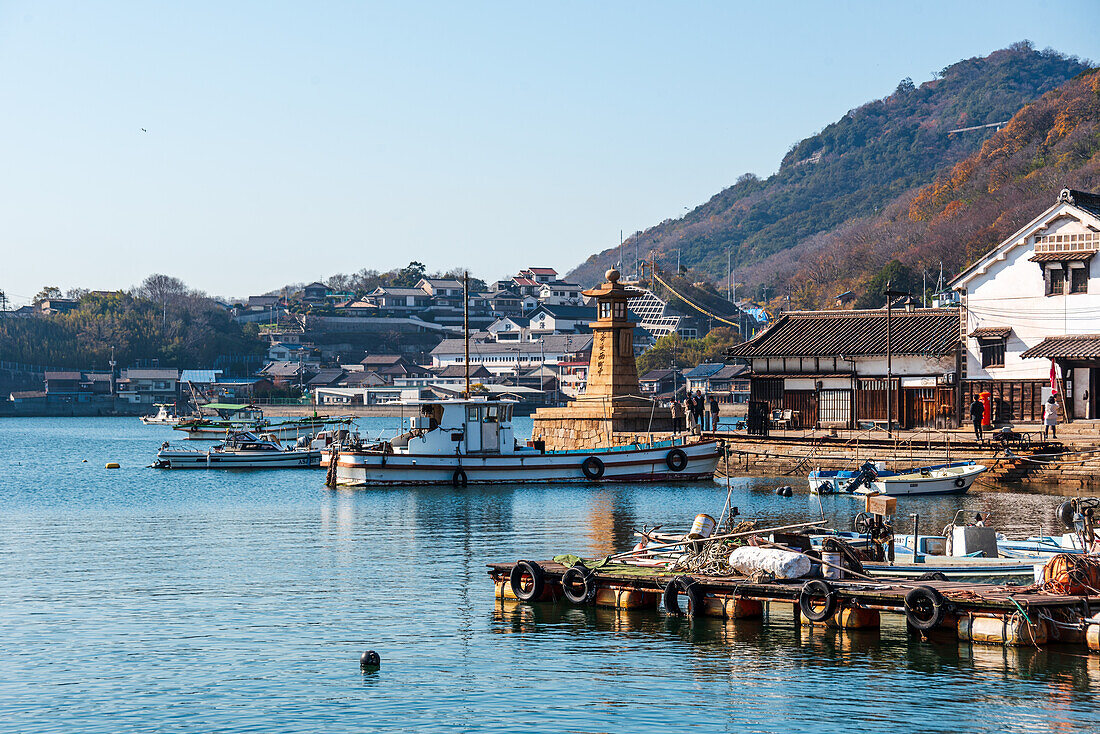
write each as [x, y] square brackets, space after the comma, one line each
[1013, 400]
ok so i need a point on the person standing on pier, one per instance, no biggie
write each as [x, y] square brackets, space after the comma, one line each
[689, 414]
[1050, 418]
[700, 410]
[677, 416]
[977, 413]
[713, 412]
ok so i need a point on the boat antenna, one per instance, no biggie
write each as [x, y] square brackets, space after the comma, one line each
[466, 328]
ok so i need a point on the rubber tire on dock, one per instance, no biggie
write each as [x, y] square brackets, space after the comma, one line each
[579, 574]
[538, 580]
[676, 460]
[932, 576]
[592, 467]
[924, 608]
[817, 589]
[458, 479]
[671, 596]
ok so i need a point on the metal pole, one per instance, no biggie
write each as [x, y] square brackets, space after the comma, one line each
[889, 366]
[466, 328]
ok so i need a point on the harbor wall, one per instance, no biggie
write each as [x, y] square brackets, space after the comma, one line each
[580, 426]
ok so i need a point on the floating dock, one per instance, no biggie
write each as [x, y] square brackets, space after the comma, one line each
[983, 613]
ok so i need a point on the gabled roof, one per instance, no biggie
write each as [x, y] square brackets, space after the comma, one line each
[442, 283]
[1070, 346]
[524, 281]
[385, 290]
[1083, 203]
[542, 271]
[381, 359]
[325, 377]
[459, 370]
[930, 331]
[656, 375]
[574, 313]
[315, 284]
[283, 369]
[729, 371]
[549, 344]
[27, 395]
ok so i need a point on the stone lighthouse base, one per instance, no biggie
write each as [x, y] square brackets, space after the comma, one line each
[600, 424]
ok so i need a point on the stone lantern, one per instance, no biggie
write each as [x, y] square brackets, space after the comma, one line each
[612, 411]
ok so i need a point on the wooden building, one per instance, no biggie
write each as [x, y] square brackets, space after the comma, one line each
[830, 367]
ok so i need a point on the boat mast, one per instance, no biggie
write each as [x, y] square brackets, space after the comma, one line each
[466, 328]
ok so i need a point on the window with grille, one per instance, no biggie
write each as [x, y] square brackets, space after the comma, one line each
[1078, 279]
[1055, 279]
[993, 352]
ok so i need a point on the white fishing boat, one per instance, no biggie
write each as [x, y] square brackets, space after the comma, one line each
[243, 450]
[459, 442]
[232, 417]
[165, 416]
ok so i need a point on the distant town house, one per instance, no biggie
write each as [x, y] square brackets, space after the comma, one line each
[148, 386]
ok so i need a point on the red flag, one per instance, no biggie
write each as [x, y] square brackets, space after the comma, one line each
[1053, 379]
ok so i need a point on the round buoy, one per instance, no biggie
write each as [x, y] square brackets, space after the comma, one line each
[83, 461]
[370, 660]
[112, 465]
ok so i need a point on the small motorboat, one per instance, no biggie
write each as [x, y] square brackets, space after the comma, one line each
[165, 416]
[953, 478]
[242, 450]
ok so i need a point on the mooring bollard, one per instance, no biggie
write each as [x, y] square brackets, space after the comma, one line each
[370, 660]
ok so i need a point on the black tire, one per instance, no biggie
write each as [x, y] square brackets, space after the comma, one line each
[1064, 514]
[458, 479]
[687, 586]
[538, 580]
[676, 460]
[579, 574]
[592, 468]
[817, 589]
[924, 608]
[960, 482]
[932, 576]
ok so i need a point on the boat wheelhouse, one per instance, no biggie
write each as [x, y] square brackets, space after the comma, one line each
[465, 441]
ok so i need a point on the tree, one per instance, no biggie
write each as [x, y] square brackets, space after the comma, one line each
[899, 277]
[163, 289]
[48, 292]
[409, 275]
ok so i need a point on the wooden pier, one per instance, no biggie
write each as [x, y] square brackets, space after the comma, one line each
[985, 613]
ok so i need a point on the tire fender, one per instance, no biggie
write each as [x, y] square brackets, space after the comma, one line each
[676, 460]
[817, 589]
[924, 608]
[671, 596]
[592, 467]
[579, 575]
[538, 580]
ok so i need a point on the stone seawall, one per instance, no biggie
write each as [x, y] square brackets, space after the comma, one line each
[1075, 467]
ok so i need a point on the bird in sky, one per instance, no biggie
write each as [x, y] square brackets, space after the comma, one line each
[144, 130]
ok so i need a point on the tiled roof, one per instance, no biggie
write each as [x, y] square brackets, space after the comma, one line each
[61, 375]
[27, 394]
[1081, 346]
[991, 332]
[152, 374]
[1083, 199]
[657, 375]
[325, 377]
[381, 359]
[705, 370]
[855, 334]
[730, 371]
[549, 344]
[1060, 257]
[543, 271]
[524, 281]
[459, 370]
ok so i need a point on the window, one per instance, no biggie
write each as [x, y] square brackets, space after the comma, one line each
[993, 351]
[1055, 279]
[1078, 279]
[605, 309]
[620, 310]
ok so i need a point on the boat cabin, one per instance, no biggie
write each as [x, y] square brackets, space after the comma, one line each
[247, 441]
[476, 426]
[236, 412]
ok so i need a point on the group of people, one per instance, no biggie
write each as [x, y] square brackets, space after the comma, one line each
[1050, 418]
[695, 413]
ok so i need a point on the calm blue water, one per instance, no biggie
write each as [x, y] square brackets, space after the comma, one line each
[139, 600]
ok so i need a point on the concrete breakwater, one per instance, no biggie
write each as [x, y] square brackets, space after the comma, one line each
[1072, 466]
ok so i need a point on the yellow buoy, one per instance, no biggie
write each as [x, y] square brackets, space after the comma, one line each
[112, 465]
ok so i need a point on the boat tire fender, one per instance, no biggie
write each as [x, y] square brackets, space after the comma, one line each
[538, 580]
[671, 596]
[676, 460]
[960, 482]
[924, 608]
[813, 590]
[932, 576]
[592, 467]
[1065, 514]
[458, 479]
[579, 575]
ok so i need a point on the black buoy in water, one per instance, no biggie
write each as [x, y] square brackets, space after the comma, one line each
[370, 660]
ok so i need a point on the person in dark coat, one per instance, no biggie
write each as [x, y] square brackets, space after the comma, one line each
[713, 412]
[699, 409]
[977, 413]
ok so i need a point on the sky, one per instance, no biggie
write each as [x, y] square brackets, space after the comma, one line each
[243, 146]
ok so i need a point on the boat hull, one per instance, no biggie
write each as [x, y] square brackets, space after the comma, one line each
[956, 480]
[361, 468]
[238, 460]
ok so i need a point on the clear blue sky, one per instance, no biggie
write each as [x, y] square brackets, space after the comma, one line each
[289, 141]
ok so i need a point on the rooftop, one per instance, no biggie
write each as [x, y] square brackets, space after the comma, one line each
[855, 334]
[1071, 346]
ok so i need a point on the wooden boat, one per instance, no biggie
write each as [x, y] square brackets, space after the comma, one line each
[243, 450]
[232, 417]
[459, 442]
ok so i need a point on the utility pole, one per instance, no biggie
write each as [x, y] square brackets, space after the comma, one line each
[466, 328]
[729, 274]
[890, 294]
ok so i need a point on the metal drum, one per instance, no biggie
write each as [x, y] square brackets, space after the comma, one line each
[703, 527]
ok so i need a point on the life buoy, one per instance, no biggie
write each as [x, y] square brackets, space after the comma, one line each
[813, 591]
[924, 608]
[538, 580]
[960, 482]
[676, 460]
[671, 596]
[458, 479]
[592, 467]
[579, 576]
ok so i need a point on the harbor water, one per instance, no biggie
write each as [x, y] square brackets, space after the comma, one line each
[142, 600]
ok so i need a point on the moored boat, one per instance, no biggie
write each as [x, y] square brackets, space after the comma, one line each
[242, 450]
[939, 479]
[165, 416]
[459, 442]
[233, 417]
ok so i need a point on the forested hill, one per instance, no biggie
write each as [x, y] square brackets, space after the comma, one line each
[854, 166]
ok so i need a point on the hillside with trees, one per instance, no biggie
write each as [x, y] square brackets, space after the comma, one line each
[162, 319]
[851, 170]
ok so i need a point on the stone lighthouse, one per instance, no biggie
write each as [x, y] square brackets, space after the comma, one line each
[612, 411]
